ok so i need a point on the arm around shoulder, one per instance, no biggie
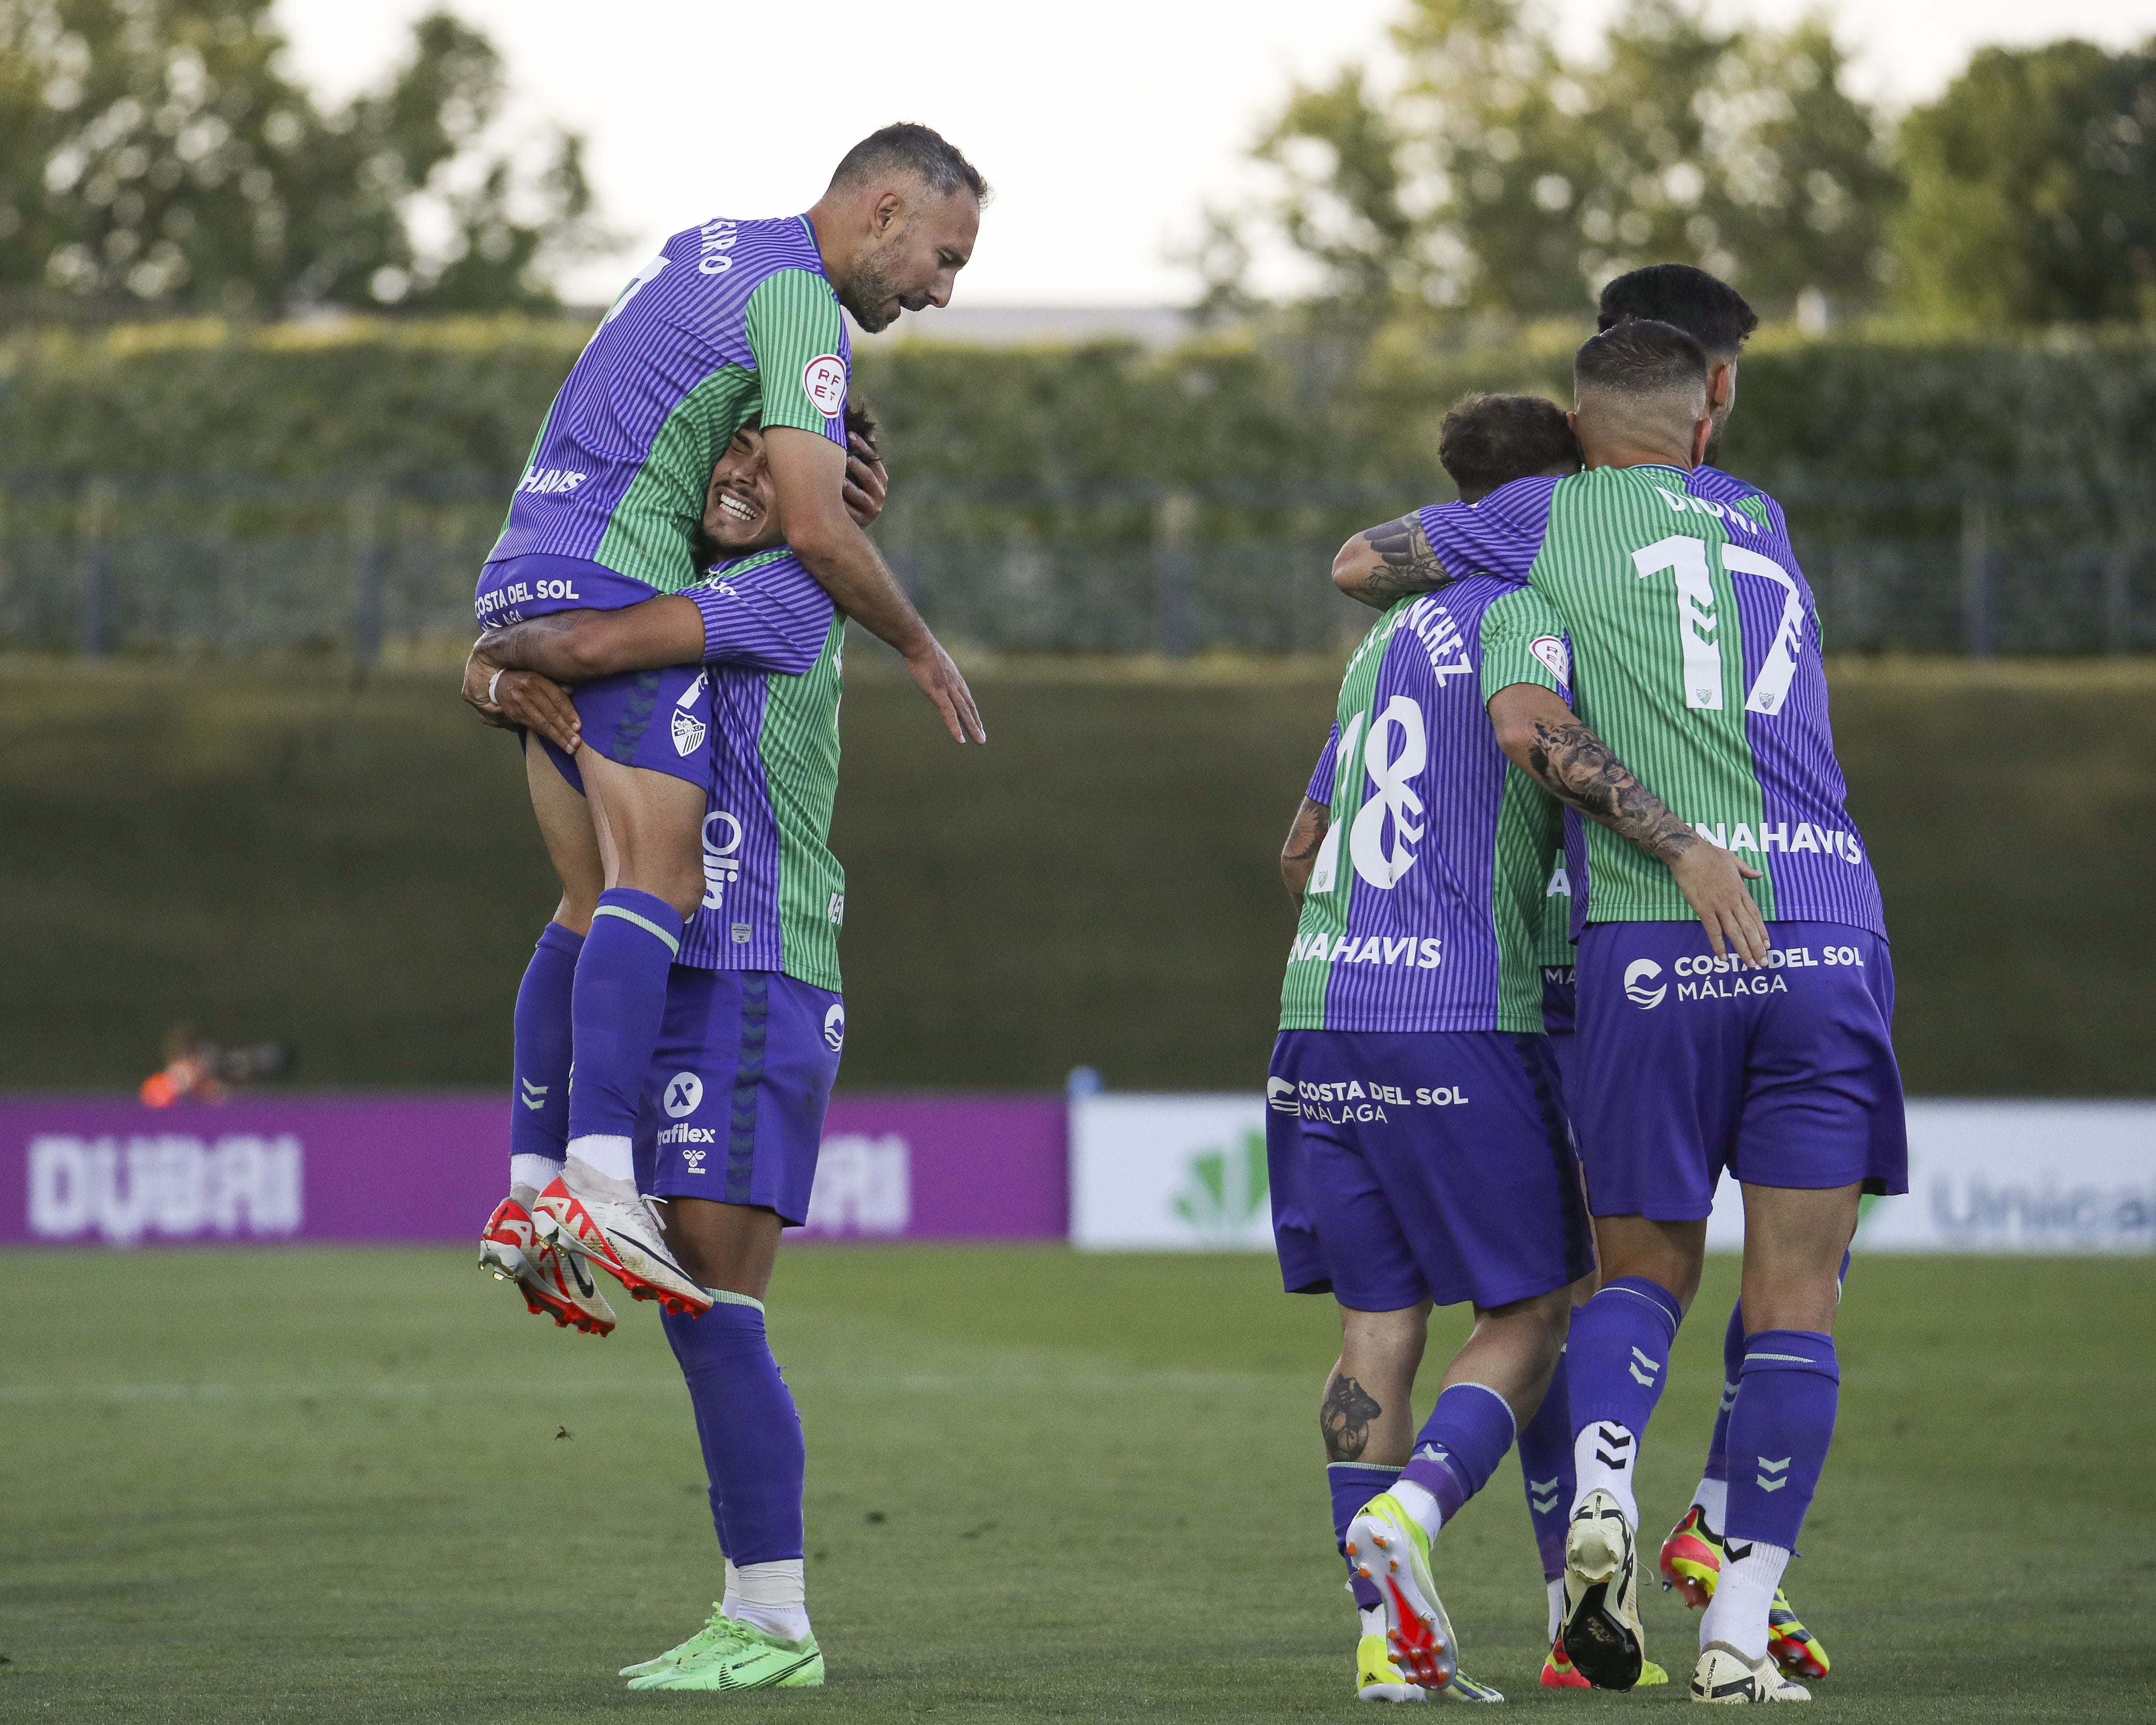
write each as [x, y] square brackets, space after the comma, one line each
[1383, 564]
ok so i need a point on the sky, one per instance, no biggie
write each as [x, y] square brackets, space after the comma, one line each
[1106, 129]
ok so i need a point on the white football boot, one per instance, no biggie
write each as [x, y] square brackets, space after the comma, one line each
[555, 1284]
[1602, 1634]
[1724, 1678]
[615, 1227]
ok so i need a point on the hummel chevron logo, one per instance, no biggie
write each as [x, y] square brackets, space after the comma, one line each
[1620, 1440]
[1737, 1554]
[535, 1096]
[1646, 1378]
[1542, 1495]
[1772, 1467]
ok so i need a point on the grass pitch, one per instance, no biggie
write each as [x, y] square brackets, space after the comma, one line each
[363, 1485]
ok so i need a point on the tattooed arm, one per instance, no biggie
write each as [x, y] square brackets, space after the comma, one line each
[1299, 855]
[1381, 566]
[1546, 741]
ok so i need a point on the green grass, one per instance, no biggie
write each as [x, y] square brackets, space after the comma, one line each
[362, 1486]
[271, 854]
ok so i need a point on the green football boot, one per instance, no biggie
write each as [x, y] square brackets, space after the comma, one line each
[720, 1627]
[729, 1654]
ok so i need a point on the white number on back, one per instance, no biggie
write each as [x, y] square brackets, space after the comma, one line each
[1396, 802]
[1699, 632]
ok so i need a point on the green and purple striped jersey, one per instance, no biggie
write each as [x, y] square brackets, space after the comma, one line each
[774, 896]
[732, 322]
[1553, 944]
[1696, 648]
[1424, 908]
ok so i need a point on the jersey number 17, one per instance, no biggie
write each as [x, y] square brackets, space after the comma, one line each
[1698, 631]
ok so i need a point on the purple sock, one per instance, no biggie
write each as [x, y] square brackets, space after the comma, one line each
[753, 1453]
[1460, 1445]
[539, 1116]
[618, 1007]
[1352, 1485]
[1732, 1363]
[1545, 1466]
[1619, 1354]
[1778, 1434]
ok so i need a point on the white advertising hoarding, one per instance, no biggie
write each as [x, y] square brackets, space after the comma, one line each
[1153, 1173]
[1158, 1173]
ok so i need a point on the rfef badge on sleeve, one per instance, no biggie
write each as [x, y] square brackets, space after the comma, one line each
[823, 379]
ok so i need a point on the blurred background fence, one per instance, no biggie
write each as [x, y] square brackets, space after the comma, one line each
[114, 564]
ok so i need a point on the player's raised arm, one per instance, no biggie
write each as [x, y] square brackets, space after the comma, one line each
[1545, 740]
[1383, 564]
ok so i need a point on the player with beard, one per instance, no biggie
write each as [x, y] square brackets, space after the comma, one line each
[1716, 315]
[731, 1108]
[1775, 1059]
[734, 320]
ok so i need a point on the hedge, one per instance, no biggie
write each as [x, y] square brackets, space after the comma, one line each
[457, 401]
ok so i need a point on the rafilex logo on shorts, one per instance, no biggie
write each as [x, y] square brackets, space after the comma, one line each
[683, 1096]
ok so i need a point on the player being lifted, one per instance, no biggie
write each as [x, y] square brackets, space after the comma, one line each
[733, 322]
[1697, 662]
[731, 1106]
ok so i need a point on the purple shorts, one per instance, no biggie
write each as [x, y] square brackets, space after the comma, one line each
[538, 584]
[1418, 1165]
[659, 720]
[1687, 1064]
[733, 1108]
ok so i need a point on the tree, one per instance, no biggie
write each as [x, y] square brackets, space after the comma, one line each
[153, 150]
[2032, 189]
[1498, 177]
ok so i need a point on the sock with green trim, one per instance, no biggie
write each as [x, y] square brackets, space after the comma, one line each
[616, 1009]
[750, 1431]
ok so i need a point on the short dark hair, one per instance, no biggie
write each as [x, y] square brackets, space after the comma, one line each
[1704, 306]
[1641, 356]
[860, 422]
[1490, 440]
[918, 150]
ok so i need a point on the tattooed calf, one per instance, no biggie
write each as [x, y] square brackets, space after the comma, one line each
[1345, 1417]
